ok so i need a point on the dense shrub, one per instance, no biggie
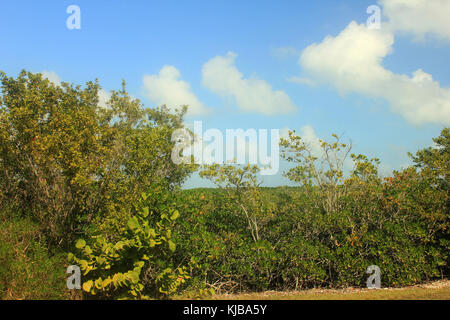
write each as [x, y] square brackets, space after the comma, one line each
[68, 161]
[139, 263]
[72, 169]
[320, 235]
[28, 270]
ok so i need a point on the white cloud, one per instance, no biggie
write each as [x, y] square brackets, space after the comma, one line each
[314, 145]
[309, 137]
[167, 88]
[284, 132]
[419, 17]
[221, 76]
[52, 76]
[352, 62]
[103, 98]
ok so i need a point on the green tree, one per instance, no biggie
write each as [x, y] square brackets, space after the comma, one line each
[68, 161]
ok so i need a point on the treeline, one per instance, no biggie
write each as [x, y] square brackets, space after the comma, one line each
[97, 185]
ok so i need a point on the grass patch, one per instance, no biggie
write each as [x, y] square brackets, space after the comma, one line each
[435, 291]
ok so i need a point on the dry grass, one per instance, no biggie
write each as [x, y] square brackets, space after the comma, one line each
[439, 290]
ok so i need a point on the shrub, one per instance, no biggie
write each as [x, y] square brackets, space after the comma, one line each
[28, 270]
[139, 264]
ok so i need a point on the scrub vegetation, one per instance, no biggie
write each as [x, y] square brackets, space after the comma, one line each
[95, 187]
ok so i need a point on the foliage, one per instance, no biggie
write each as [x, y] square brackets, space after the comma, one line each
[242, 188]
[399, 224]
[72, 168]
[67, 161]
[28, 270]
[138, 265]
[319, 170]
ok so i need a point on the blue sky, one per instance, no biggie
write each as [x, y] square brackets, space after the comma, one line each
[219, 53]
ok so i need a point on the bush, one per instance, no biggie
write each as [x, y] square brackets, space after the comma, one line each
[27, 269]
[67, 161]
[139, 264]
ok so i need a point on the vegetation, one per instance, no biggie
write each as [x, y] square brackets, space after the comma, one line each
[436, 291]
[28, 270]
[95, 186]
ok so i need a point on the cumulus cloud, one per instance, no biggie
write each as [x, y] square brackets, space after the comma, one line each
[221, 76]
[167, 88]
[314, 144]
[352, 62]
[103, 98]
[421, 18]
[308, 136]
[52, 76]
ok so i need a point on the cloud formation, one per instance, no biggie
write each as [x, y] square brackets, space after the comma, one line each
[421, 18]
[221, 76]
[352, 62]
[167, 88]
[53, 77]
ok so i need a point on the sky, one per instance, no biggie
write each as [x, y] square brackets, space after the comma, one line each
[317, 67]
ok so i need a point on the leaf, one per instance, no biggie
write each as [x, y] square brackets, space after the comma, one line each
[134, 275]
[172, 246]
[87, 250]
[80, 244]
[106, 282]
[145, 212]
[87, 286]
[83, 264]
[70, 257]
[119, 245]
[98, 283]
[175, 215]
[133, 223]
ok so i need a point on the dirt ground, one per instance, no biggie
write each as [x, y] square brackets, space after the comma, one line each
[438, 290]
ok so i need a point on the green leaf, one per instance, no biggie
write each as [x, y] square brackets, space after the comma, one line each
[80, 244]
[133, 223]
[87, 250]
[98, 283]
[175, 215]
[134, 276]
[88, 285]
[70, 257]
[145, 212]
[83, 264]
[172, 246]
[119, 245]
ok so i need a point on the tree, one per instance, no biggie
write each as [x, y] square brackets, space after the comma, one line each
[242, 187]
[322, 170]
[66, 160]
